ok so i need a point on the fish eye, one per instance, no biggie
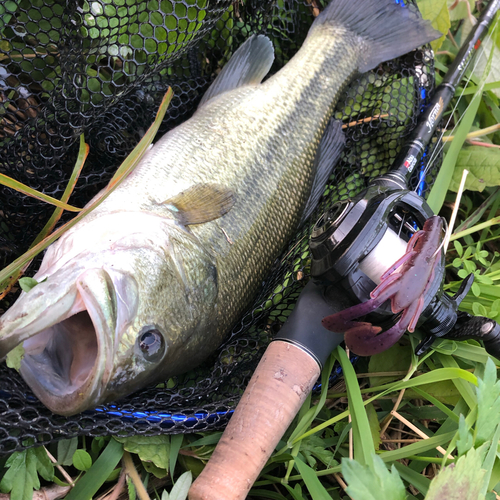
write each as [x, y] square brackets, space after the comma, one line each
[151, 343]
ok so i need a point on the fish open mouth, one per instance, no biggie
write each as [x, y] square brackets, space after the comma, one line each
[69, 325]
[60, 363]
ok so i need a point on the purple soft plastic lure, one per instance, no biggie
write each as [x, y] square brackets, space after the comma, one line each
[406, 289]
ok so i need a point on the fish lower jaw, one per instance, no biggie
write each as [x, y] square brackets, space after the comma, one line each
[62, 365]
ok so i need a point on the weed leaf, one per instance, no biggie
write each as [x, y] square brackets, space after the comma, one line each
[483, 165]
[132, 495]
[372, 484]
[395, 359]
[465, 439]
[44, 466]
[313, 448]
[65, 450]
[460, 481]
[181, 487]
[21, 477]
[458, 10]
[488, 404]
[27, 284]
[156, 471]
[82, 460]
[437, 12]
[14, 357]
[153, 449]
[296, 492]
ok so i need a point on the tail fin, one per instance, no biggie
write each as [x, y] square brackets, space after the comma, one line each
[387, 29]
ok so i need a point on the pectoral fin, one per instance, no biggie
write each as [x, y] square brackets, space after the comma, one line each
[201, 203]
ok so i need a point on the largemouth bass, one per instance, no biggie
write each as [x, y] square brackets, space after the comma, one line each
[149, 283]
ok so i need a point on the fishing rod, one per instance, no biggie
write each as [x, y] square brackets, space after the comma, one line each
[352, 245]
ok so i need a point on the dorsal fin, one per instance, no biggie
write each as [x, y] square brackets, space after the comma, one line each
[330, 148]
[247, 66]
[201, 203]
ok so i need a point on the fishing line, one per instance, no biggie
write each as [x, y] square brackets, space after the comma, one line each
[389, 250]
[439, 148]
[401, 226]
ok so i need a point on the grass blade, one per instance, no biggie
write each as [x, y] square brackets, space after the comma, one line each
[474, 218]
[311, 414]
[427, 378]
[463, 350]
[266, 494]
[133, 158]
[440, 187]
[417, 448]
[360, 423]
[131, 161]
[414, 478]
[175, 446]
[316, 489]
[88, 485]
[474, 229]
[83, 152]
[437, 404]
[463, 387]
[9, 182]
[435, 376]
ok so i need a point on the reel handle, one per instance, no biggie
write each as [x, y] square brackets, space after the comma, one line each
[280, 384]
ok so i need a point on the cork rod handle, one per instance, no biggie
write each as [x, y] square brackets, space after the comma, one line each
[275, 393]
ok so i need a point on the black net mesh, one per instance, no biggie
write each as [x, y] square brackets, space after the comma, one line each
[101, 68]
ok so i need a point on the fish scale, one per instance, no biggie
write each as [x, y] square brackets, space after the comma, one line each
[267, 227]
[167, 263]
